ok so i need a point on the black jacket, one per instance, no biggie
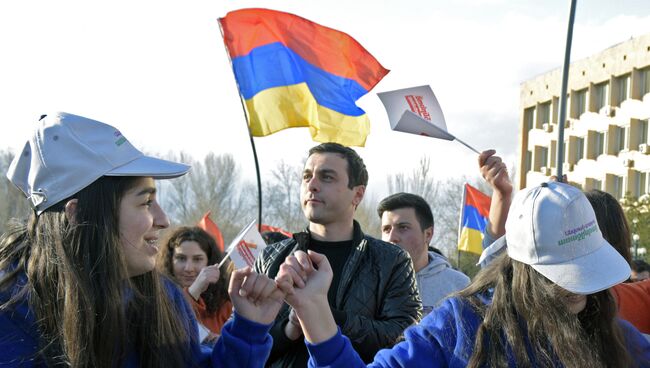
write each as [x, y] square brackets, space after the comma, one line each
[377, 297]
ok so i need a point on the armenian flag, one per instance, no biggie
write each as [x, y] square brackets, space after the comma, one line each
[292, 72]
[473, 219]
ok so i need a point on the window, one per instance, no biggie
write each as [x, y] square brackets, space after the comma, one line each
[600, 96]
[544, 114]
[643, 131]
[529, 161]
[553, 152]
[622, 88]
[645, 81]
[580, 148]
[529, 118]
[591, 183]
[599, 144]
[597, 184]
[618, 139]
[615, 186]
[640, 180]
[578, 103]
[541, 157]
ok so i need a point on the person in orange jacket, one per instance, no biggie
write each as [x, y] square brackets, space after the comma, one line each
[191, 257]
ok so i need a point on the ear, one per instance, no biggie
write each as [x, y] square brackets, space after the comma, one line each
[71, 210]
[359, 192]
[428, 234]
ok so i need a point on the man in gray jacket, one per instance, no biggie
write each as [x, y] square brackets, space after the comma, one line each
[407, 221]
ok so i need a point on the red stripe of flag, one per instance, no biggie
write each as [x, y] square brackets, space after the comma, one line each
[478, 200]
[323, 47]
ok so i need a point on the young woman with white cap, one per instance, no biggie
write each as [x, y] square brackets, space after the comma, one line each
[543, 304]
[77, 286]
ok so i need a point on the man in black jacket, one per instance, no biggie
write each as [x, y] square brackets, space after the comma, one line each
[373, 294]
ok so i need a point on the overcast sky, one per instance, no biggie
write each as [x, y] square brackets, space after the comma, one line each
[158, 70]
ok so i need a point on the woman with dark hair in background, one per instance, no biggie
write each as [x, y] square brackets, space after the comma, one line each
[192, 258]
[633, 299]
[612, 221]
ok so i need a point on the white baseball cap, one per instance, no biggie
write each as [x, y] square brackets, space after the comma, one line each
[66, 153]
[553, 228]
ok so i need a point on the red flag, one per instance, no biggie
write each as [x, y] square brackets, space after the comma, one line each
[266, 227]
[208, 225]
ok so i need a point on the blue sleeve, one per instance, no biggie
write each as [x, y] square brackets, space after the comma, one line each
[432, 343]
[487, 237]
[637, 345]
[18, 348]
[243, 343]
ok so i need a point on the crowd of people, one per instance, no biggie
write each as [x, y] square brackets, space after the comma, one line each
[96, 277]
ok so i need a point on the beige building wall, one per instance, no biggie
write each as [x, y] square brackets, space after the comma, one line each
[606, 132]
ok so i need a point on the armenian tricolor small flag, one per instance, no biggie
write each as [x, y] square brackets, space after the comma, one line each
[473, 219]
[292, 72]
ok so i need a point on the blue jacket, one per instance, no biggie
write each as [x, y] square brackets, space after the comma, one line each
[243, 343]
[444, 338]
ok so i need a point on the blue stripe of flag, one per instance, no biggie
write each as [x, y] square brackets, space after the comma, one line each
[276, 65]
[472, 219]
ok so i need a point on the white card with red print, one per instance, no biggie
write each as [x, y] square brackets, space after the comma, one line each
[246, 247]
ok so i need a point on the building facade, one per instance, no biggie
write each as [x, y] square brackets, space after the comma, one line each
[606, 141]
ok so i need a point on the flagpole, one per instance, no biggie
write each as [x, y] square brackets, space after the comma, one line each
[565, 82]
[257, 164]
[467, 145]
[460, 222]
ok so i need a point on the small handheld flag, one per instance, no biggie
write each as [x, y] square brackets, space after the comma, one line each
[416, 110]
[246, 247]
[292, 72]
[473, 219]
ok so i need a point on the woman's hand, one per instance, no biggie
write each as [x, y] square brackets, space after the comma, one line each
[208, 275]
[254, 296]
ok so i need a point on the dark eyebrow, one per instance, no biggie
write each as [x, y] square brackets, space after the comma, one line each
[147, 190]
[326, 171]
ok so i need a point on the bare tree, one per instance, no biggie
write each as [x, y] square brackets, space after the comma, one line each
[419, 182]
[13, 204]
[213, 184]
[366, 215]
[282, 198]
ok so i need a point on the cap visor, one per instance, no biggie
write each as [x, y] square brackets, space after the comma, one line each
[150, 166]
[588, 274]
[490, 253]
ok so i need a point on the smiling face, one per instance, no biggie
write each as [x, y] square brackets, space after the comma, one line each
[324, 193]
[401, 227]
[141, 220]
[188, 260]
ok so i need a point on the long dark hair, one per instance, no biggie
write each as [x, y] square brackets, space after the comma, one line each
[216, 294]
[527, 306]
[611, 221]
[89, 312]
